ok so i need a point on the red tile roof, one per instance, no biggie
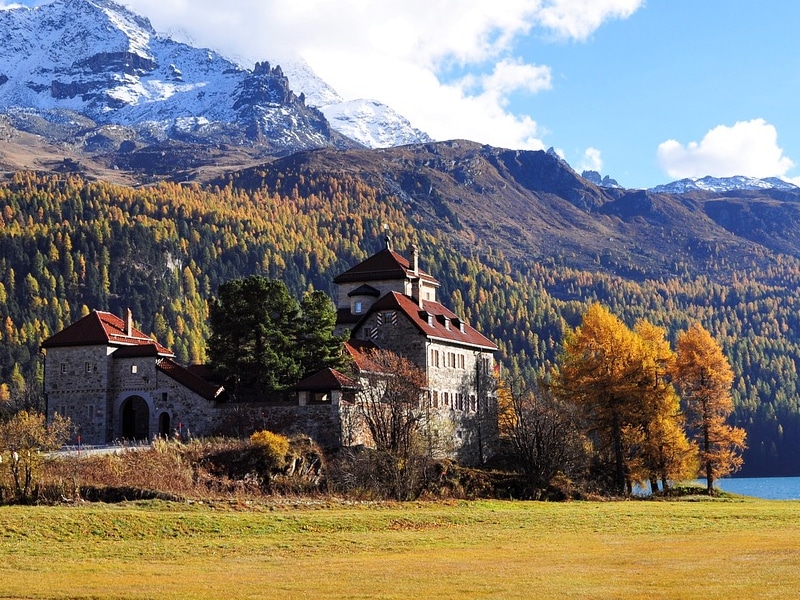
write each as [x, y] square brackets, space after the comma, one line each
[326, 380]
[186, 378]
[360, 350]
[98, 328]
[386, 264]
[436, 328]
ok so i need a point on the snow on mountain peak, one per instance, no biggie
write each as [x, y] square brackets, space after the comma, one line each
[372, 124]
[722, 184]
[369, 122]
[99, 59]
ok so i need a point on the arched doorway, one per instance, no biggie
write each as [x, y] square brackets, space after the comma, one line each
[135, 419]
[164, 424]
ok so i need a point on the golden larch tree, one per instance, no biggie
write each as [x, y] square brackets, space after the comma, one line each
[620, 379]
[600, 373]
[705, 378]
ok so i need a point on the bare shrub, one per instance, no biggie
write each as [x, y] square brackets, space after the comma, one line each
[23, 438]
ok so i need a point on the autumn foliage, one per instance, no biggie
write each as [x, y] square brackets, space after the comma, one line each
[621, 379]
[705, 376]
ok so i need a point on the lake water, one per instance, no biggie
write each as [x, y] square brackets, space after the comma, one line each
[769, 488]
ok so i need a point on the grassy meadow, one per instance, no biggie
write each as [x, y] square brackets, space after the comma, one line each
[734, 548]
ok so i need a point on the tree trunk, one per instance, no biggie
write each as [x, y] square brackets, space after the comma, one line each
[707, 450]
[619, 459]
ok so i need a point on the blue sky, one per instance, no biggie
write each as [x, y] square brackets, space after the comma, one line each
[646, 91]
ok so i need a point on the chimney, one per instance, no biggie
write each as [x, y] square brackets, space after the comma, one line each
[128, 322]
[387, 237]
[416, 284]
[414, 252]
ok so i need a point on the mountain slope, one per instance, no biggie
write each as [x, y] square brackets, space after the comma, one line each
[528, 203]
[92, 74]
[519, 242]
[95, 76]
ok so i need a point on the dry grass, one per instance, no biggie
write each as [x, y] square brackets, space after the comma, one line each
[710, 549]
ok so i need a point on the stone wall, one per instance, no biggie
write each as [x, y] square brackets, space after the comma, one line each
[321, 422]
[75, 386]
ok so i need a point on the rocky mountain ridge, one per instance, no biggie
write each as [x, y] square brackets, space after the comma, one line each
[531, 205]
[722, 184]
[95, 78]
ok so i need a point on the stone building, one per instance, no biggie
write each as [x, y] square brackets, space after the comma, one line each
[389, 302]
[114, 383]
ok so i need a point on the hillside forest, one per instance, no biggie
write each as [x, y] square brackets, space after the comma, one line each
[68, 245]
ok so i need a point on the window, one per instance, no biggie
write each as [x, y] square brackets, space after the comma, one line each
[473, 402]
[90, 411]
[164, 396]
[134, 369]
[88, 367]
[434, 358]
[358, 308]
[63, 368]
[460, 361]
[435, 399]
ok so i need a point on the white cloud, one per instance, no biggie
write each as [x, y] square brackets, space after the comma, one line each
[747, 148]
[400, 52]
[578, 19]
[512, 75]
[592, 161]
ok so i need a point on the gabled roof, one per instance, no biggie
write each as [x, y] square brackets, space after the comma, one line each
[186, 378]
[385, 265]
[365, 290]
[434, 328]
[326, 380]
[102, 328]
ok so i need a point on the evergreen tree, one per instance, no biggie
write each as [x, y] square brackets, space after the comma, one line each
[317, 346]
[254, 324]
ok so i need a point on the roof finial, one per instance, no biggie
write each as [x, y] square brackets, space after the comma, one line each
[387, 237]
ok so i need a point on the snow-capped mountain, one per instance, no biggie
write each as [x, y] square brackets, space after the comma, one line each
[369, 122]
[93, 73]
[722, 184]
[372, 124]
